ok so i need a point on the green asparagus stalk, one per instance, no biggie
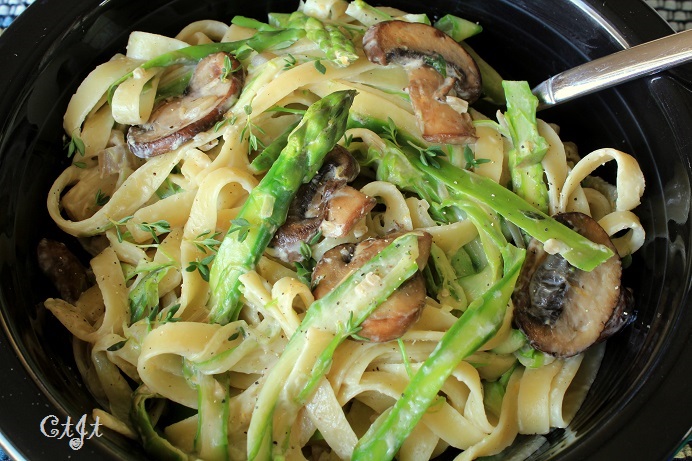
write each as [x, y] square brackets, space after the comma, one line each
[476, 326]
[529, 147]
[577, 250]
[491, 80]
[338, 48]
[259, 42]
[251, 23]
[494, 391]
[144, 297]
[458, 28]
[155, 445]
[266, 207]
[366, 14]
[211, 440]
[340, 312]
[441, 280]
[279, 20]
[447, 186]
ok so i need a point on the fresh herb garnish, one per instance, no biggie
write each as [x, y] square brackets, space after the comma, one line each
[471, 161]
[237, 334]
[320, 67]
[202, 266]
[119, 232]
[290, 61]
[227, 68]
[167, 189]
[286, 110]
[225, 121]
[169, 314]
[249, 130]
[352, 330]
[427, 155]
[75, 145]
[155, 228]
[404, 358]
[117, 346]
[438, 63]
[390, 131]
[241, 226]
[306, 266]
[206, 242]
[101, 198]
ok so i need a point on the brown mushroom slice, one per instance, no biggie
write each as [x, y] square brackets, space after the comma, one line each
[212, 91]
[564, 310]
[441, 123]
[63, 268]
[424, 51]
[324, 204]
[345, 208]
[402, 309]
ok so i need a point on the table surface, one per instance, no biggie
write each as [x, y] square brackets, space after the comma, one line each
[678, 13]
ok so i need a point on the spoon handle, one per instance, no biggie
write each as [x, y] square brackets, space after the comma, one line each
[625, 65]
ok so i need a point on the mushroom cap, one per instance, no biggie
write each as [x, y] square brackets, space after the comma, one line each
[416, 44]
[391, 319]
[564, 310]
[212, 91]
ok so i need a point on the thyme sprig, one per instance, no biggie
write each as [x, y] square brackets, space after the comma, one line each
[155, 228]
[241, 226]
[471, 161]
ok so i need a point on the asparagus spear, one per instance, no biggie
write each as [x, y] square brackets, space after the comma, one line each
[266, 208]
[445, 187]
[251, 23]
[155, 445]
[336, 46]
[458, 28]
[366, 14]
[340, 312]
[211, 440]
[529, 147]
[478, 324]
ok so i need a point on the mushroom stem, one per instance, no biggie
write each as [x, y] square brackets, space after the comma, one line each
[438, 69]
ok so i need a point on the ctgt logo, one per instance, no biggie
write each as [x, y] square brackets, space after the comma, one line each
[77, 432]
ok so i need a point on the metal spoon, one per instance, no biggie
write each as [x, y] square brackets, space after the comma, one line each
[625, 65]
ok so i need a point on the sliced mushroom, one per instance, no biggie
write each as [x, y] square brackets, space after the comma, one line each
[402, 309]
[63, 268]
[212, 91]
[425, 52]
[564, 310]
[324, 204]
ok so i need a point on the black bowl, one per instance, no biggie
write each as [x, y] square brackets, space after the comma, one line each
[640, 405]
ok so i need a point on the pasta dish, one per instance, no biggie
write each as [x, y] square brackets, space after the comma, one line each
[305, 242]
